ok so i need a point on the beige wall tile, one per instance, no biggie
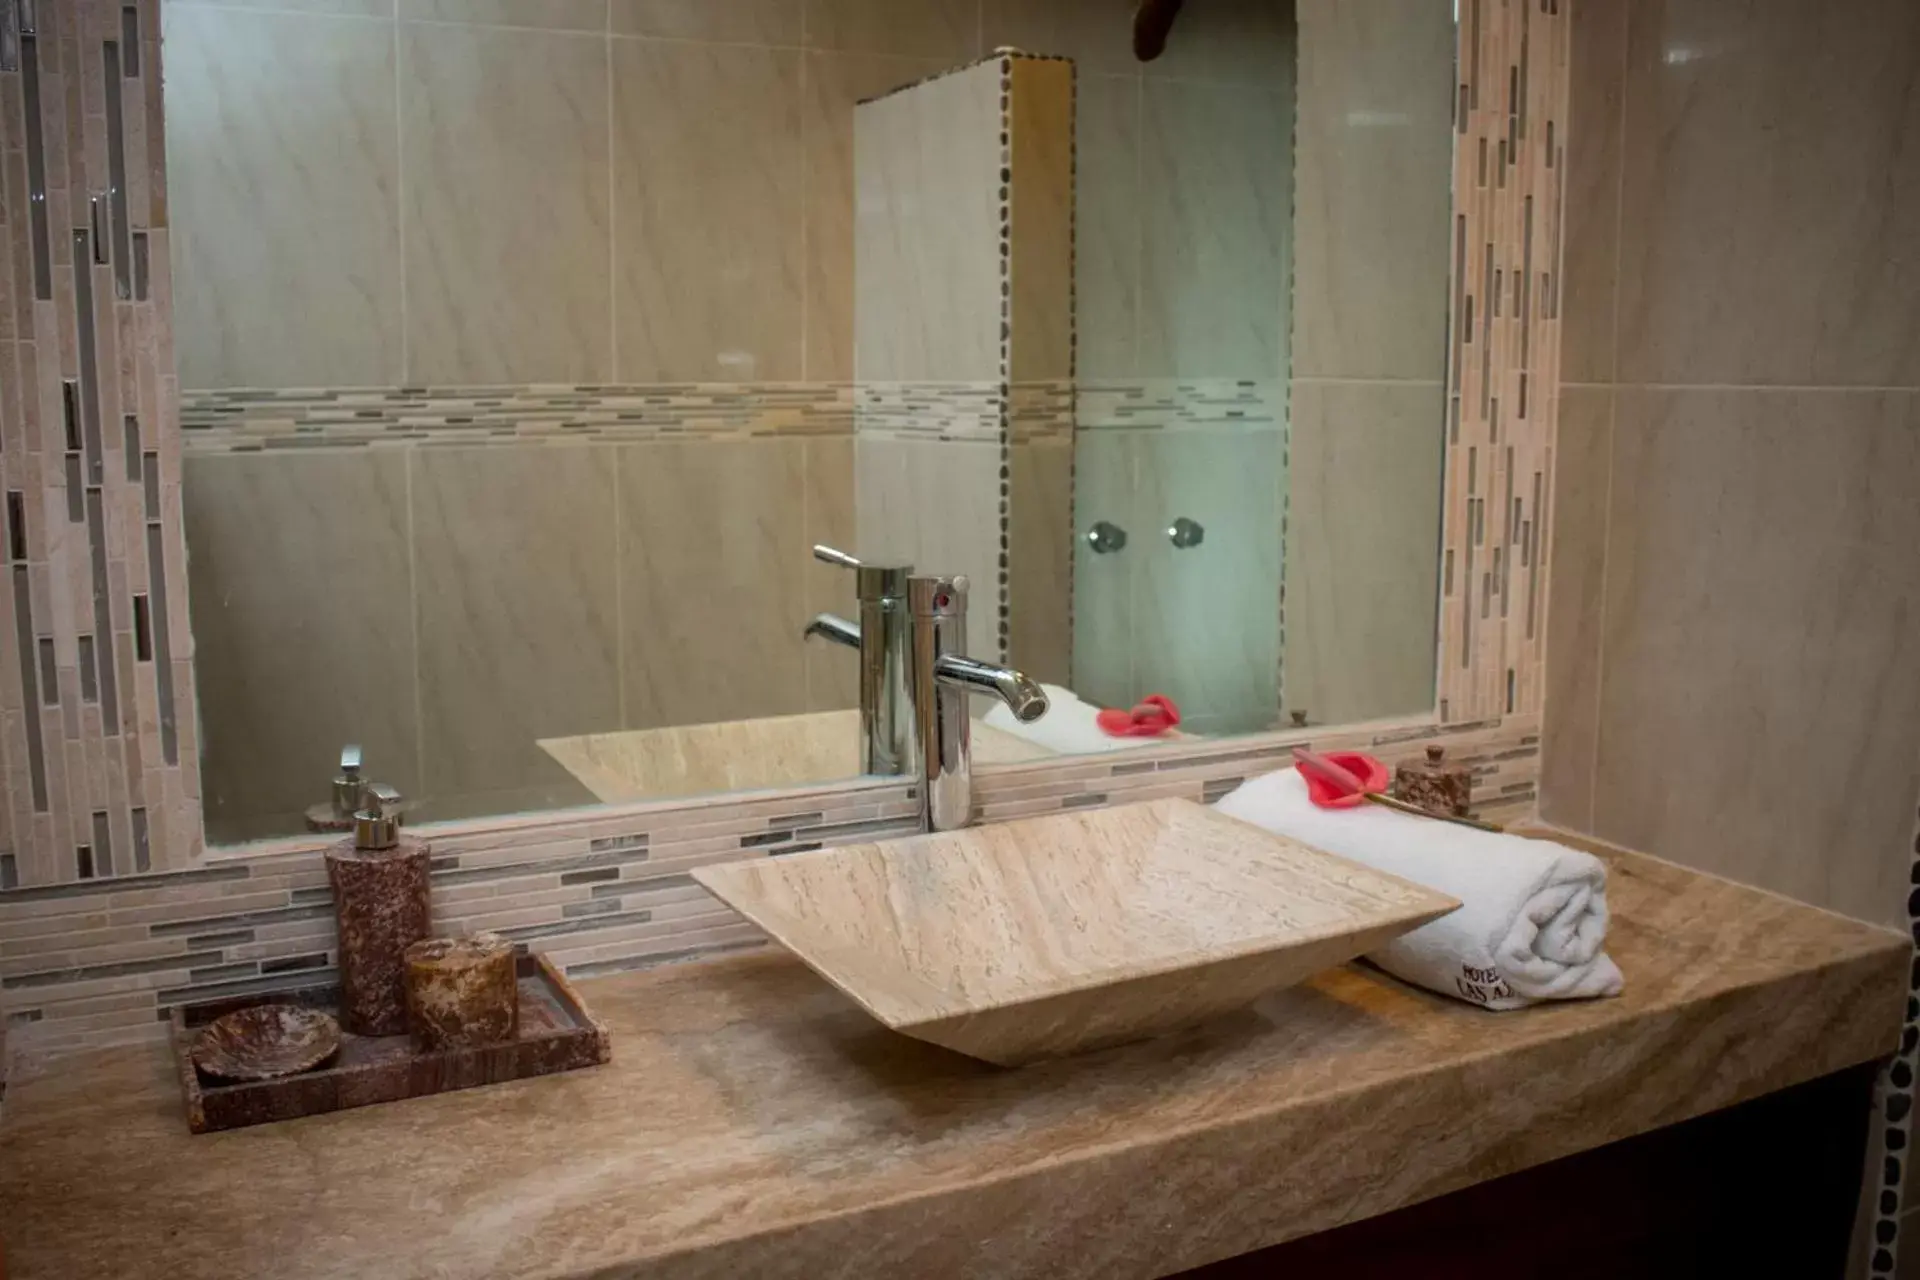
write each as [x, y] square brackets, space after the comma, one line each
[1363, 549]
[557, 15]
[1591, 258]
[708, 263]
[936, 506]
[1042, 219]
[833, 673]
[1207, 618]
[1375, 158]
[505, 139]
[342, 8]
[281, 157]
[1243, 41]
[515, 565]
[1107, 224]
[1096, 34]
[744, 21]
[1106, 467]
[1215, 228]
[1040, 558]
[302, 626]
[927, 231]
[713, 596]
[1577, 564]
[834, 83]
[1771, 194]
[554, 791]
[1756, 713]
[945, 29]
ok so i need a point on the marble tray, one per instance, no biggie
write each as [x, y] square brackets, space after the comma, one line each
[1046, 936]
[556, 1033]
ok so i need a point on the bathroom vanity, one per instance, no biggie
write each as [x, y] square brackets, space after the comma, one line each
[755, 1123]
[471, 381]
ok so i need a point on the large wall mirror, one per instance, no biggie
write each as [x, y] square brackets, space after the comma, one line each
[523, 361]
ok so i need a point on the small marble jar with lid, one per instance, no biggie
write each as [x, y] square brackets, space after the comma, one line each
[1442, 789]
[462, 993]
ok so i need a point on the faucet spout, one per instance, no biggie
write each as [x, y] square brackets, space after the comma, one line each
[831, 626]
[1022, 695]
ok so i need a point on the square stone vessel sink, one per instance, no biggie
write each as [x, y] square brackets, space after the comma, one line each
[739, 755]
[1046, 936]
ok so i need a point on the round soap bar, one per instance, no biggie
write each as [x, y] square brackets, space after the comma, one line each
[462, 993]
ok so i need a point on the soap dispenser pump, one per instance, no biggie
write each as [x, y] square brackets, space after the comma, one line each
[381, 907]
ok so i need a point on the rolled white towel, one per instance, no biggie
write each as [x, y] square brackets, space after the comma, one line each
[1533, 921]
[1069, 727]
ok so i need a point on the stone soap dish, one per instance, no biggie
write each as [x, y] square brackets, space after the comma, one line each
[1046, 936]
[266, 1041]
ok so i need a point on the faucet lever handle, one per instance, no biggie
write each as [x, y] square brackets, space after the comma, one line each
[833, 555]
[874, 581]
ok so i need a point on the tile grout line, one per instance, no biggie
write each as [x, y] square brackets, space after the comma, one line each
[806, 568]
[1613, 419]
[1330, 380]
[1139, 223]
[619, 591]
[400, 194]
[806, 197]
[1793, 388]
[413, 596]
[613, 237]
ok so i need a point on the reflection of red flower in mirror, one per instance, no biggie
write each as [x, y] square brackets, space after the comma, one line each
[1152, 716]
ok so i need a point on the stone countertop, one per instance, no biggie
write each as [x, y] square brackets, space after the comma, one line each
[755, 1123]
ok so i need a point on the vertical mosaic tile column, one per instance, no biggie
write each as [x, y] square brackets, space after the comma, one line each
[97, 734]
[1509, 163]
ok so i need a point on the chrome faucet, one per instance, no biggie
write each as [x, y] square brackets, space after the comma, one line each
[914, 679]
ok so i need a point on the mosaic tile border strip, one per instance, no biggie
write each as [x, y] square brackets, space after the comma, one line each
[97, 727]
[242, 421]
[1041, 412]
[1504, 375]
[1167, 404]
[931, 410]
[598, 891]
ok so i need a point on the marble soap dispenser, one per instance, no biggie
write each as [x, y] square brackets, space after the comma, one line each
[380, 903]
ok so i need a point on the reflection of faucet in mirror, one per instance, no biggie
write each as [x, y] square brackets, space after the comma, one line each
[886, 705]
[914, 684]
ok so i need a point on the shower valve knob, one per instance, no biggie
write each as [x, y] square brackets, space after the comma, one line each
[1184, 533]
[1105, 537]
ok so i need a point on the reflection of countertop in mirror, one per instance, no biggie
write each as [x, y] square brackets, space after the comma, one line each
[739, 755]
[754, 1122]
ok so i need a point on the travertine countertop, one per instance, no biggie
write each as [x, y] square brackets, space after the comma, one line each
[755, 1123]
